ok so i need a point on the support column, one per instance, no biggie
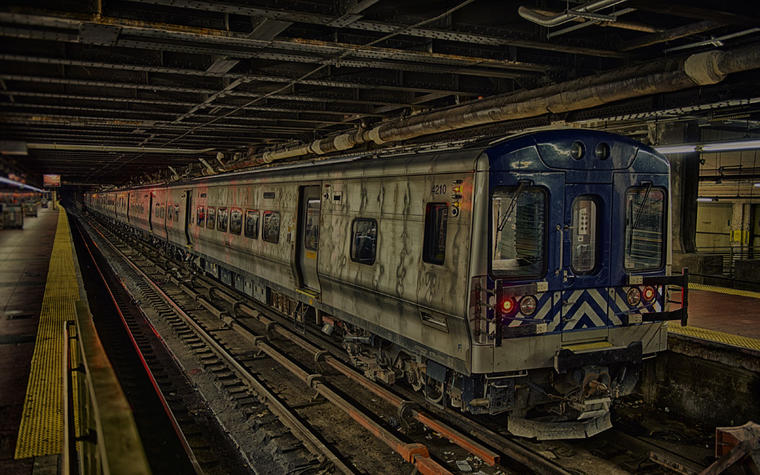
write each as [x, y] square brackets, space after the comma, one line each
[684, 183]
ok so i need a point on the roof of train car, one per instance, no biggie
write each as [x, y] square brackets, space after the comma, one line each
[443, 158]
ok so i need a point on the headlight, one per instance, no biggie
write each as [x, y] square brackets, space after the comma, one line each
[633, 296]
[528, 305]
[577, 150]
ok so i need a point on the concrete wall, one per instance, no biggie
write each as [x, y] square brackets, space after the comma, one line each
[705, 382]
[713, 225]
[748, 274]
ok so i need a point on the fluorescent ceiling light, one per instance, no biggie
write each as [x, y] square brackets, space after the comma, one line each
[757, 185]
[749, 144]
[676, 149]
[726, 146]
[706, 200]
[8, 181]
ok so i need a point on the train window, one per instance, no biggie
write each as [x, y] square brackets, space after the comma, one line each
[584, 235]
[221, 219]
[176, 213]
[211, 217]
[644, 228]
[252, 223]
[311, 230]
[518, 232]
[236, 220]
[200, 216]
[270, 227]
[434, 244]
[364, 241]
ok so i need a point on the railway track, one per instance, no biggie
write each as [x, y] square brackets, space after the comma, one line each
[155, 386]
[238, 340]
[234, 354]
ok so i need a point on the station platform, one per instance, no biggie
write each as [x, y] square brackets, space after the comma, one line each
[722, 315]
[24, 261]
[52, 365]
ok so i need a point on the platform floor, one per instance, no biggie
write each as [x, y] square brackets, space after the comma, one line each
[24, 259]
[728, 310]
[722, 315]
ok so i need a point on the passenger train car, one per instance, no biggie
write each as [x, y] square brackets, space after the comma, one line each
[527, 277]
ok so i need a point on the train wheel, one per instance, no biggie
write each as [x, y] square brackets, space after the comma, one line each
[434, 391]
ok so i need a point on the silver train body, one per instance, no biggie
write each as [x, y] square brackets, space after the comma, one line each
[463, 272]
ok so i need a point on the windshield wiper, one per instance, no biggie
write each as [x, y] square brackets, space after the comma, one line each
[508, 212]
[641, 207]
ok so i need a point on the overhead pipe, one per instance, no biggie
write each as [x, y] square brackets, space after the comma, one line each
[699, 69]
[116, 148]
[717, 42]
[584, 23]
[584, 11]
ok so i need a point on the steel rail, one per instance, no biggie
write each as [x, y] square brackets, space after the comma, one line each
[514, 450]
[167, 409]
[414, 453]
[288, 417]
[404, 406]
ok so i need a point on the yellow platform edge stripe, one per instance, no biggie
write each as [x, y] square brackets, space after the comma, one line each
[716, 336]
[724, 290]
[41, 429]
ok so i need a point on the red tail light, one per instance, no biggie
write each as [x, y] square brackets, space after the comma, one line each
[508, 306]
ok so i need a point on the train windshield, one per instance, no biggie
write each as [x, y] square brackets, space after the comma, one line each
[644, 228]
[518, 227]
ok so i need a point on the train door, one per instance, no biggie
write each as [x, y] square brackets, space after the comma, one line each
[162, 213]
[188, 214]
[585, 271]
[150, 211]
[308, 236]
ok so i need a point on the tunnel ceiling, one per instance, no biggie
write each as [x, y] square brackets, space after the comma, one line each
[85, 83]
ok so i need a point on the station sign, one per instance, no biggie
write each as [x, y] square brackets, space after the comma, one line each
[53, 181]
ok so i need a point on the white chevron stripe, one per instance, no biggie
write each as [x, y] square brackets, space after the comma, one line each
[556, 300]
[544, 310]
[598, 298]
[586, 309]
[615, 303]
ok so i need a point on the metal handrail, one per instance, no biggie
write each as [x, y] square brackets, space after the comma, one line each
[729, 256]
[104, 438]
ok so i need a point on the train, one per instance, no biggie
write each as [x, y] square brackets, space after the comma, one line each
[525, 278]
